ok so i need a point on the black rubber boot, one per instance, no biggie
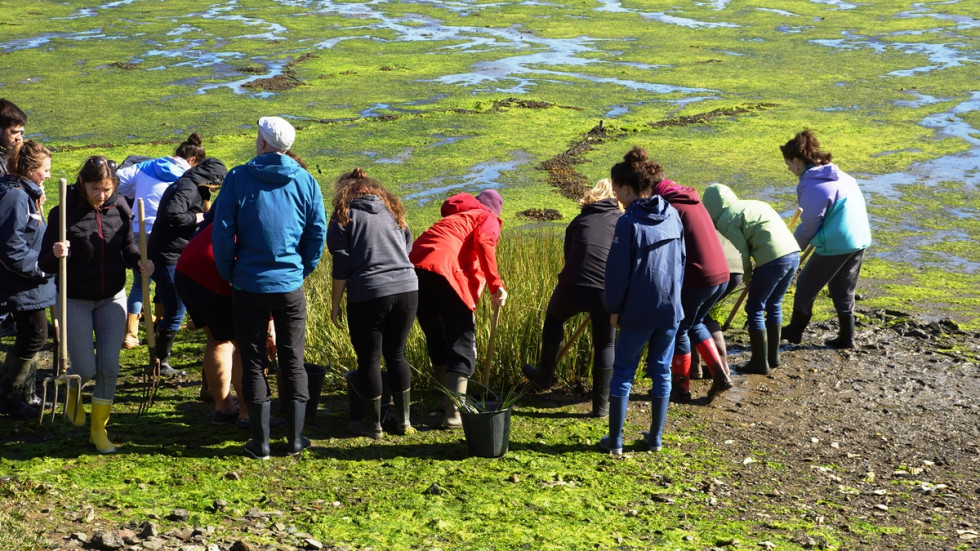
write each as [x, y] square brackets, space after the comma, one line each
[28, 390]
[772, 336]
[793, 333]
[165, 343]
[370, 424]
[403, 412]
[845, 335]
[758, 365]
[600, 392]
[295, 419]
[543, 377]
[258, 416]
[12, 381]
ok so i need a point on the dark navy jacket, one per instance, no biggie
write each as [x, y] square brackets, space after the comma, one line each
[645, 268]
[23, 285]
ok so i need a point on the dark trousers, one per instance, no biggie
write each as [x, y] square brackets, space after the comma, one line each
[288, 312]
[839, 273]
[566, 301]
[32, 333]
[380, 327]
[448, 324]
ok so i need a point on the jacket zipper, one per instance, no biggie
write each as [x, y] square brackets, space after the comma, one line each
[98, 220]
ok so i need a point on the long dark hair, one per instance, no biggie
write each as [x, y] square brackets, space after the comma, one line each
[637, 172]
[356, 183]
[806, 147]
[191, 148]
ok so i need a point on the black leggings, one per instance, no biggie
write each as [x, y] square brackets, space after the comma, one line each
[379, 327]
[32, 333]
[566, 301]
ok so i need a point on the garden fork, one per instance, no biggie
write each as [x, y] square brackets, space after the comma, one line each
[60, 362]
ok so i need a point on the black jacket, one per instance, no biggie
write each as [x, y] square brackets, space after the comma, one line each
[587, 241]
[177, 214]
[102, 245]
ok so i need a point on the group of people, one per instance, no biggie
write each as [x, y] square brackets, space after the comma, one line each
[651, 258]
[646, 256]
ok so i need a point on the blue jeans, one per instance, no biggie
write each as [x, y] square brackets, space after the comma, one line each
[770, 281]
[173, 308]
[629, 346]
[696, 303]
[134, 303]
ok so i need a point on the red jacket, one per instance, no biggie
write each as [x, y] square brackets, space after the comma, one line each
[197, 262]
[462, 248]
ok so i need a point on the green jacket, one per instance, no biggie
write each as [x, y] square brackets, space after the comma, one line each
[755, 228]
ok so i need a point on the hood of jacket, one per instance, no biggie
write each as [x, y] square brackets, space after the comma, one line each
[273, 169]
[368, 203]
[13, 181]
[822, 173]
[462, 202]
[165, 169]
[676, 193]
[716, 199]
[601, 206]
[649, 210]
[210, 171]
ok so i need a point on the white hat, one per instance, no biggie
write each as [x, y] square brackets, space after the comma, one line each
[277, 132]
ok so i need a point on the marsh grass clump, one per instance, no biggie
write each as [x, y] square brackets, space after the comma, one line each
[529, 261]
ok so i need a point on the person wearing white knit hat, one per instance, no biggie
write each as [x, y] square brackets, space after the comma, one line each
[266, 269]
[277, 133]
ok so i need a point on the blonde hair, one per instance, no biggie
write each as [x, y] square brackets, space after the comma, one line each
[602, 190]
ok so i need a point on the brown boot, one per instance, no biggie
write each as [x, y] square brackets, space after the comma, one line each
[132, 339]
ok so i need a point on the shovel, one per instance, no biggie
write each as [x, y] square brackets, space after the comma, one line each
[151, 375]
[745, 291]
[61, 354]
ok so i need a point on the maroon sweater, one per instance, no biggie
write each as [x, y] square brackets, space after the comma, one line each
[706, 265]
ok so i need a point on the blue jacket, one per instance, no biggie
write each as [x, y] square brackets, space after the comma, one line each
[23, 286]
[645, 268]
[835, 217]
[371, 252]
[269, 225]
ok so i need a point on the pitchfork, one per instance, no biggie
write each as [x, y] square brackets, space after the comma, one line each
[61, 374]
[151, 375]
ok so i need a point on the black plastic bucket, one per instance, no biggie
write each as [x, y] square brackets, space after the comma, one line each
[314, 376]
[487, 433]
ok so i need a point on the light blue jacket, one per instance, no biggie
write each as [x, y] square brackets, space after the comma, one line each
[269, 225]
[835, 217]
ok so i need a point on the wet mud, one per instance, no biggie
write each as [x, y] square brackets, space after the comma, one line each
[879, 445]
[539, 215]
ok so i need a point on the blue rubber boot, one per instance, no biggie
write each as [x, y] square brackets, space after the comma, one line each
[654, 436]
[613, 442]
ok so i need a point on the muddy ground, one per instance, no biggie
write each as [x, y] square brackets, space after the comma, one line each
[879, 445]
[886, 434]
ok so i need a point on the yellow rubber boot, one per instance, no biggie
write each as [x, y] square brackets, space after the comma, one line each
[97, 433]
[74, 406]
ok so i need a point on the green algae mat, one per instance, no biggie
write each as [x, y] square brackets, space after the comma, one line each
[536, 98]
